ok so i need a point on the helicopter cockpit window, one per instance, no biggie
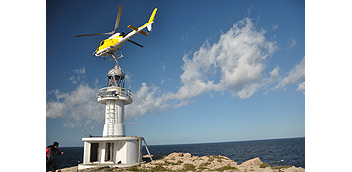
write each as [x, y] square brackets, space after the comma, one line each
[102, 42]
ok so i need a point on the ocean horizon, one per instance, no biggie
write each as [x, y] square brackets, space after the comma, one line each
[276, 152]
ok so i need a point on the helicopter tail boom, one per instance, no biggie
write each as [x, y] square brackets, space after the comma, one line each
[147, 25]
[136, 29]
[151, 19]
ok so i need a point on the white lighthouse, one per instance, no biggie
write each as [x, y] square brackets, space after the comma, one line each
[113, 148]
[115, 97]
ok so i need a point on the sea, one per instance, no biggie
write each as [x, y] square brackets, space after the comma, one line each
[276, 152]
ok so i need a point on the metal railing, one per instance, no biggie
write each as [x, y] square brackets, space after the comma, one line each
[115, 91]
[91, 135]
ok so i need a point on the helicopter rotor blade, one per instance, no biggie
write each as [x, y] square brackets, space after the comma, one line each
[118, 18]
[109, 33]
[135, 43]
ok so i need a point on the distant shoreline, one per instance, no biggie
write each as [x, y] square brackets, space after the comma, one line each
[204, 143]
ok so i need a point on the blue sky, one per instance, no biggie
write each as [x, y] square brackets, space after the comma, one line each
[327, 71]
[209, 71]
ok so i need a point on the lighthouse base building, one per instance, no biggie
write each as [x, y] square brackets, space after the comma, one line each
[111, 151]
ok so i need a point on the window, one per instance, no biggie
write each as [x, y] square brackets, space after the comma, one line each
[102, 42]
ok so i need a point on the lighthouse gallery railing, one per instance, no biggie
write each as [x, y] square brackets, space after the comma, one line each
[114, 91]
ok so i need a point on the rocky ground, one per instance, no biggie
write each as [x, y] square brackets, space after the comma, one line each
[182, 162]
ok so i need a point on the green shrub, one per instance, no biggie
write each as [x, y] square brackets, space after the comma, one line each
[134, 168]
[264, 165]
[203, 165]
[189, 167]
[219, 157]
[159, 168]
[280, 167]
[179, 162]
[228, 167]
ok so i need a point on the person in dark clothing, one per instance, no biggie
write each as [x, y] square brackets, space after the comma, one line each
[51, 153]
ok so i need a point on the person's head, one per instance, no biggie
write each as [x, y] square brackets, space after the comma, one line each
[56, 144]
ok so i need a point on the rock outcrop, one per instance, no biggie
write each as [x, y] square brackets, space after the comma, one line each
[187, 162]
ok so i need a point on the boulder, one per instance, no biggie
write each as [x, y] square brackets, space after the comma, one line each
[255, 162]
[187, 155]
[294, 169]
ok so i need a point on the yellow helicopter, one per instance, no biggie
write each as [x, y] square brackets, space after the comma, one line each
[108, 47]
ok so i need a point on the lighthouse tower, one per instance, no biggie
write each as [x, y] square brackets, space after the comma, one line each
[115, 97]
[113, 148]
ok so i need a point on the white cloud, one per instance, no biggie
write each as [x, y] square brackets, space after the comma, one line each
[296, 75]
[81, 71]
[146, 99]
[75, 79]
[293, 43]
[275, 73]
[184, 38]
[238, 57]
[301, 87]
[275, 26]
[80, 105]
[79, 74]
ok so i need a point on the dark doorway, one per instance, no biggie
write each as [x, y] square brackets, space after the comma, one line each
[109, 151]
[94, 152]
